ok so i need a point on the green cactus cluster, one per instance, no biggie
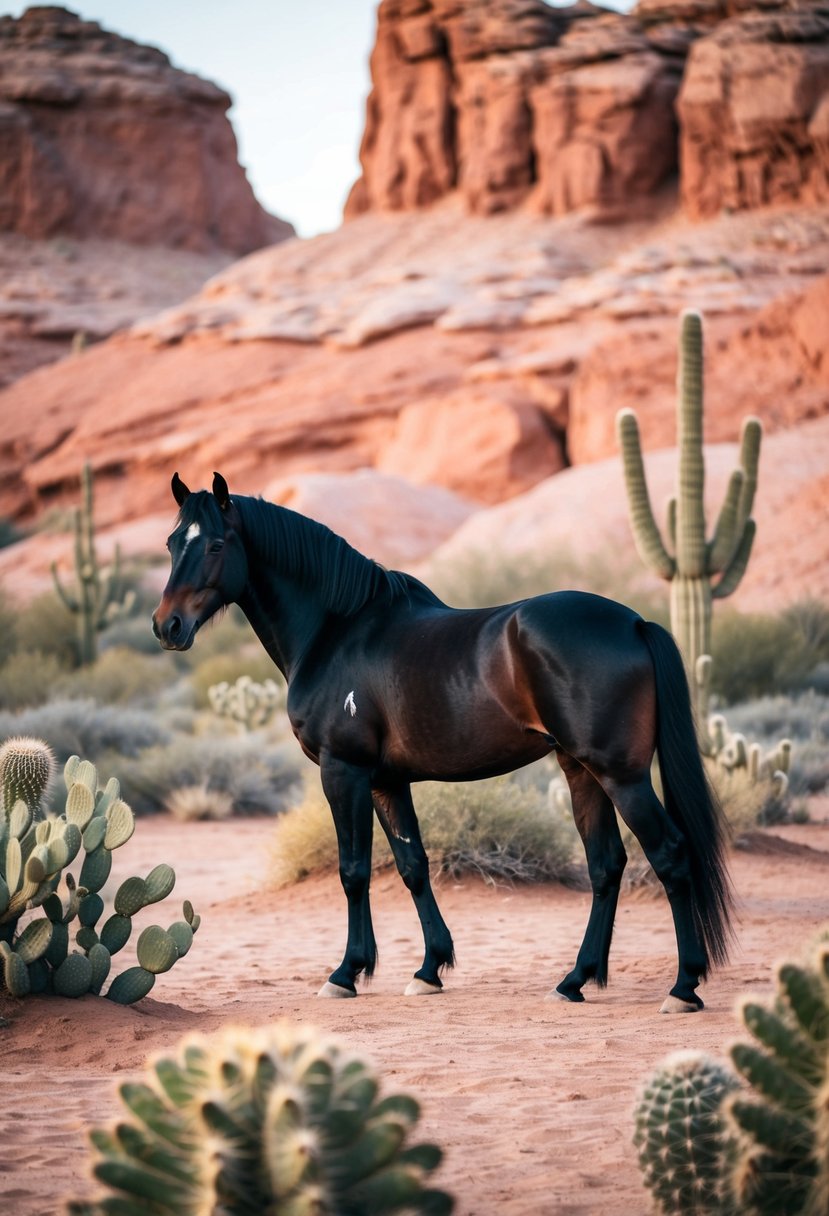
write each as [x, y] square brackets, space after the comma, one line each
[761, 1147]
[248, 702]
[278, 1120]
[699, 569]
[96, 600]
[68, 950]
[680, 1135]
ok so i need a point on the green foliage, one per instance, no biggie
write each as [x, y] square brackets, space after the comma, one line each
[680, 1135]
[117, 677]
[698, 569]
[45, 627]
[34, 860]
[28, 679]
[97, 597]
[279, 1120]
[501, 830]
[757, 655]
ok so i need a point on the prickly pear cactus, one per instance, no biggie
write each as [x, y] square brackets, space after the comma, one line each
[782, 1124]
[247, 702]
[66, 950]
[681, 1137]
[26, 768]
[278, 1120]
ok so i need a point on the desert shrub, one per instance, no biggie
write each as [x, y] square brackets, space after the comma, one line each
[80, 727]
[257, 779]
[116, 677]
[482, 578]
[133, 632]
[803, 718]
[28, 678]
[746, 803]
[497, 829]
[45, 625]
[9, 612]
[758, 655]
[194, 802]
[221, 668]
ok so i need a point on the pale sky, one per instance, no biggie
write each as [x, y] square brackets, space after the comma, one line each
[297, 71]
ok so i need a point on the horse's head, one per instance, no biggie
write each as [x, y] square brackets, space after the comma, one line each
[209, 565]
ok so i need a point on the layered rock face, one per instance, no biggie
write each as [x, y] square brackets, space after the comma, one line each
[511, 102]
[102, 137]
[754, 113]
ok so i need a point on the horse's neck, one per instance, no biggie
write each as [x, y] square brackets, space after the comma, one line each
[284, 616]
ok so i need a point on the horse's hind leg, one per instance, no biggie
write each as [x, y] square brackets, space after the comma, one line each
[396, 813]
[665, 848]
[596, 822]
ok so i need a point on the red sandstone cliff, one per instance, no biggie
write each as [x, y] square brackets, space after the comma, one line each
[513, 102]
[102, 137]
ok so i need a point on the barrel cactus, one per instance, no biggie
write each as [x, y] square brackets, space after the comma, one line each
[69, 949]
[26, 768]
[783, 1121]
[277, 1120]
[681, 1137]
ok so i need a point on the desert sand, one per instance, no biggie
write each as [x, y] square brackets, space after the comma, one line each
[531, 1099]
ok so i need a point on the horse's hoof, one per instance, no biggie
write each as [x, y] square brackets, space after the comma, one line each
[675, 1004]
[335, 991]
[556, 995]
[418, 987]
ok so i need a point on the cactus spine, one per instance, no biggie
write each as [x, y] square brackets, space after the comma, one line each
[783, 1125]
[278, 1120]
[34, 856]
[96, 599]
[698, 570]
[26, 768]
[680, 1135]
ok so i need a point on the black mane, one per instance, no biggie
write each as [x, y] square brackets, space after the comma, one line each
[313, 555]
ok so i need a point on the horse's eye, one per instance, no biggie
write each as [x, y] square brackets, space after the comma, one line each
[216, 546]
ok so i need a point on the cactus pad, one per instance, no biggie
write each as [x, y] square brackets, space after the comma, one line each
[74, 976]
[131, 985]
[156, 950]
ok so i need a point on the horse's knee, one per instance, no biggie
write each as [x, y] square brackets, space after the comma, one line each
[354, 876]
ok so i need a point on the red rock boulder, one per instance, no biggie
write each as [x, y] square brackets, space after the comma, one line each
[102, 137]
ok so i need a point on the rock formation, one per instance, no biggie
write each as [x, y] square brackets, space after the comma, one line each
[102, 137]
[514, 102]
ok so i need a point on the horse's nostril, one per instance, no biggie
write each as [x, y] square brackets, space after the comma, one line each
[173, 627]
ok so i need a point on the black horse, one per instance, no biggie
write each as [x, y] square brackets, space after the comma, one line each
[387, 685]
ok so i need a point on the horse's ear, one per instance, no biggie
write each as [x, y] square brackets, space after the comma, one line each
[180, 491]
[220, 491]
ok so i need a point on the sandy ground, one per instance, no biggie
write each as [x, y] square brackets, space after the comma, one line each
[531, 1099]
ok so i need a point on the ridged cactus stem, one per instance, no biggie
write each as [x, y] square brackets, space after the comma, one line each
[95, 599]
[699, 570]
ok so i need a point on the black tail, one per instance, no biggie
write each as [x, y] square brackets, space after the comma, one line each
[689, 799]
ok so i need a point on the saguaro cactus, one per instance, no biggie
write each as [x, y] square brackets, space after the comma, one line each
[96, 599]
[277, 1120]
[699, 570]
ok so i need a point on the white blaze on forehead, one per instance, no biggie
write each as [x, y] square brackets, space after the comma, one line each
[192, 532]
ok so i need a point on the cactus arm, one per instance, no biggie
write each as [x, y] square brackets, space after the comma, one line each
[645, 531]
[750, 440]
[732, 575]
[691, 546]
[725, 539]
[670, 522]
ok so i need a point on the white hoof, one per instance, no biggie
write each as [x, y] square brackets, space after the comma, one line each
[673, 1004]
[416, 987]
[335, 991]
[555, 995]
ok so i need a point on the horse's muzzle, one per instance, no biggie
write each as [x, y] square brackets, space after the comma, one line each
[175, 632]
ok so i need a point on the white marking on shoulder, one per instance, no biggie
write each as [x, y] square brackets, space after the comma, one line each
[350, 704]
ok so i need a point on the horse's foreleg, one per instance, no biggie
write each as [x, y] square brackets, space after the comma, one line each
[665, 849]
[396, 813]
[606, 857]
[348, 790]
